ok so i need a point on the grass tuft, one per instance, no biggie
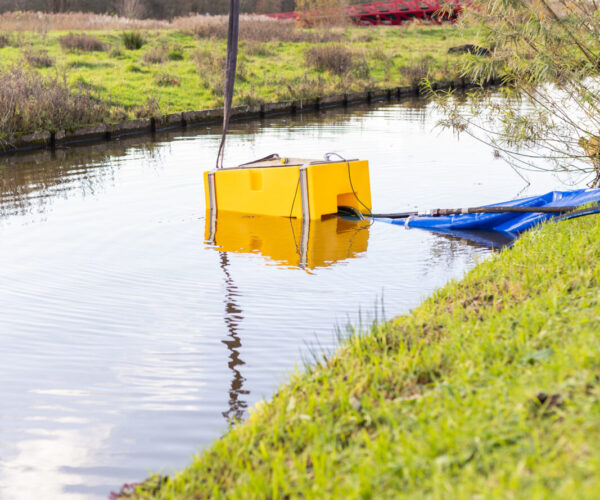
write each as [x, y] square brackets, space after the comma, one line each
[166, 80]
[176, 53]
[133, 40]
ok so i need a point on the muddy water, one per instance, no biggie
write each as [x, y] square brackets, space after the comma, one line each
[128, 342]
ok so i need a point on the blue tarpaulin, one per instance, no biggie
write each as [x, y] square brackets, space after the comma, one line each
[487, 228]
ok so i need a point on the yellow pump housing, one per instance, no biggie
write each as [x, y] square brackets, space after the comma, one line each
[289, 187]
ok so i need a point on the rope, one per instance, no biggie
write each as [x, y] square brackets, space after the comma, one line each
[232, 50]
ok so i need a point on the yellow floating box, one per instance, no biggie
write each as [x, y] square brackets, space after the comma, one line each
[289, 187]
[290, 242]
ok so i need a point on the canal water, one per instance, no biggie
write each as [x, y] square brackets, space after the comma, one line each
[128, 342]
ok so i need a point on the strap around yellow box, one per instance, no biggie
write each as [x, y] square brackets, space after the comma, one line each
[308, 189]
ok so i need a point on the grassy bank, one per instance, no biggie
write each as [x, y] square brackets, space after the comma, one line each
[144, 72]
[491, 388]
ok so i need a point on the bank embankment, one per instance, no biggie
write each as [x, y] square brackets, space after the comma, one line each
[66, 86]
[491, 388]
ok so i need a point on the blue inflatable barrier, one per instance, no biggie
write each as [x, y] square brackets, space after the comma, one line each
[503, 227]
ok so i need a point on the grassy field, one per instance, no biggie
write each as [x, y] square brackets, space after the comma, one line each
[490, 389]
[180, 68]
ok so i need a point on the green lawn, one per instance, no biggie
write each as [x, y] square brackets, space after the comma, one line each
[489, 389]
[190, 76]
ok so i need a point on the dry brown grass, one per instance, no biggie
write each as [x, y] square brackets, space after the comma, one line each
[43, 22]
[255, 28]
[81, 41]
[252, 27]
[30, 103]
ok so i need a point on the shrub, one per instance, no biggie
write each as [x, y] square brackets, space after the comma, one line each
[155, 55]
[81, 41]
[115, 52]
[29, 102]
[4, 40]
[133, 40]
[38, 58]
[336, 59]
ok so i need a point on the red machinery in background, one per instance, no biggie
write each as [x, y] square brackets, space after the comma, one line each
[388, 13]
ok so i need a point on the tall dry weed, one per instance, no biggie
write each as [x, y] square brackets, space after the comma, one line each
[29, 103]
[81, 41]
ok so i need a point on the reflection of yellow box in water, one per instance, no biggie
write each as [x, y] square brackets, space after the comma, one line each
[291, 187]
[288, 241]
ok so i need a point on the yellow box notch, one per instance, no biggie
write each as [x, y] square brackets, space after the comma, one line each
[298, 188]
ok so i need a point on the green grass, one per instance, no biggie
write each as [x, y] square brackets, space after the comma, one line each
[489, 389]
[269, 71]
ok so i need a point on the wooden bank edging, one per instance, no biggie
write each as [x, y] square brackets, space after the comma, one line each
[99, 133]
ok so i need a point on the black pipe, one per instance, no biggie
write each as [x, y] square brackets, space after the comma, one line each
[437, 212]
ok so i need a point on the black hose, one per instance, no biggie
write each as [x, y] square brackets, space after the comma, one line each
[437, 212]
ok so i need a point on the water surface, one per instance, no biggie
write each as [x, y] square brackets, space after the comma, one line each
[128, 342]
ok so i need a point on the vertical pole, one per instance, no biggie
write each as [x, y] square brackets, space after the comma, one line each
[232, 50]
[212, 196]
